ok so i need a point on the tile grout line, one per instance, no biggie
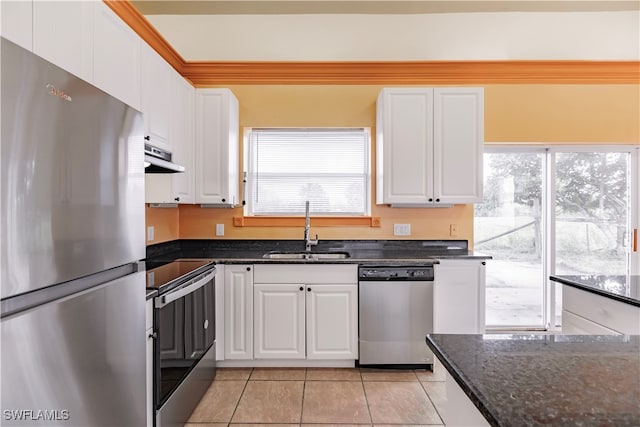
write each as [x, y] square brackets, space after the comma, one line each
[240, 398]
[364, 391]
[304, 388]
[432, 402]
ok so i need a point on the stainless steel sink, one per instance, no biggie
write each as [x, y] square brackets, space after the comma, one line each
[307, 255]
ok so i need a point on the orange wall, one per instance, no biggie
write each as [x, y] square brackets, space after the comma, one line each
[595, 114]
[165, 223]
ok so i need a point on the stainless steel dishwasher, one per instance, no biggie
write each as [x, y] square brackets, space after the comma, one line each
[395, 314]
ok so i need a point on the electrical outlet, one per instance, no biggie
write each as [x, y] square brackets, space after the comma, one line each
[453, 230]
[150, 233]
[219, 229]
[401, 229]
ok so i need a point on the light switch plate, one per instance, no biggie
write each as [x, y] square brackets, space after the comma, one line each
[150, 233]
[402, 229]
[219, 229]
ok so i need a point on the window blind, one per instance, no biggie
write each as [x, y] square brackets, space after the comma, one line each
[328, 167]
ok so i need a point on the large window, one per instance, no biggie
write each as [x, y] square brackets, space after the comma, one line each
[327, 167]
[556, 210]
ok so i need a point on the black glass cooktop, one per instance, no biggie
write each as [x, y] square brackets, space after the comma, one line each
[161, 274]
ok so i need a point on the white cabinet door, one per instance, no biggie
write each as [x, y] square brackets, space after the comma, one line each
[155, 83]
[63, 35]
[17, 22]
[458, 144]
[459, 297]
[429, 145]
[116, 56]
[217, 147]
[177, 187]
[279, 321]
[404, 144]
[182, 127]
[332, 321]
[238, 312]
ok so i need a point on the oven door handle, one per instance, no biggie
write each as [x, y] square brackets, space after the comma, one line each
[189, 287]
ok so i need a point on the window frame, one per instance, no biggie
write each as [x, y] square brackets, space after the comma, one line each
[248, 182]
[550, 151]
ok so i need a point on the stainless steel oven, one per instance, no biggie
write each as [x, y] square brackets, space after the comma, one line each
[396, 314]
[184, 328]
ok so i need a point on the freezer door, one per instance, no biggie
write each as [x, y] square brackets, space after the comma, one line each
[77, 361]
[72, 161]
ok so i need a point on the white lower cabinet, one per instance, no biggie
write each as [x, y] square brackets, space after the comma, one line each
[332, 321]
[572, 324]
[312, 321]
[278, 323]
[457, 410]
[238, 312]
[584, 312]
[459, 297]
[305, 311]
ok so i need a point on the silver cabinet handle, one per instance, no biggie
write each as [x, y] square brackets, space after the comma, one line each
[189, 287]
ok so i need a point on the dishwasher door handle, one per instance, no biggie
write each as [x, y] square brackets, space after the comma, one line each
[185, 289]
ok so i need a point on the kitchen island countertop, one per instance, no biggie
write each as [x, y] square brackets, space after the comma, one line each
[544, 380]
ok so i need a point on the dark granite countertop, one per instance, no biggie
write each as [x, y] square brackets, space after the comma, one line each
[151, 293]
[621, 288]
[546, 380]
[360, 251]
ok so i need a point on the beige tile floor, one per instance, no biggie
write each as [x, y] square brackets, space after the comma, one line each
[321, 397]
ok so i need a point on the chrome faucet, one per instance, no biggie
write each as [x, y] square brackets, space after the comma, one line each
[307, 226]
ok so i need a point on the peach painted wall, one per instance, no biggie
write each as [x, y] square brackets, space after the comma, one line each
[594, 114]
[164, 222]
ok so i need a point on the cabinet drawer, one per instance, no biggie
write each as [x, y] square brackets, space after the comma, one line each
[616, 315]
[572, 324]
[306, 273]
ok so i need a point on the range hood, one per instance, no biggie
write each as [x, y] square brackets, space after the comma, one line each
[157, 160]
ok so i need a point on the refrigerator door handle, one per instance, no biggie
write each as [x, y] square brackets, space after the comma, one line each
[186, 289]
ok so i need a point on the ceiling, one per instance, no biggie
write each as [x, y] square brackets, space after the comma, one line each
[270, 7]
[397, 30]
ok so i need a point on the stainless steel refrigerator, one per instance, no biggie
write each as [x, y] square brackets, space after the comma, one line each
[72, 231]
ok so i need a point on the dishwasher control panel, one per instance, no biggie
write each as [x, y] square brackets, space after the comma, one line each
[410, 273]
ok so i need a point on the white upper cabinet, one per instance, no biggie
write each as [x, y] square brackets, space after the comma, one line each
[182, 140]
[429, 145]
[458, 144]
[17, 23]
[156, 76]
[176, 187]
[63, 35]
[404, 146]
[217, 147]
[116, 56]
